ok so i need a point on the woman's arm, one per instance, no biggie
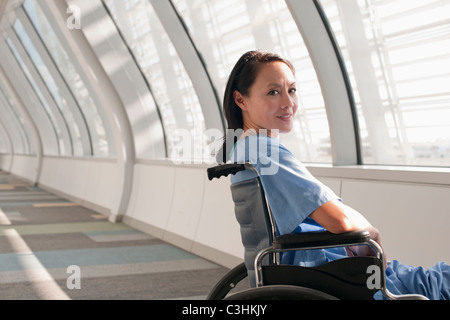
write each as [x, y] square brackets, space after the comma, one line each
[339, 218]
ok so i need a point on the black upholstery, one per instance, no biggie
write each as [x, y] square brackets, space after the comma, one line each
[345, 279]
[251, 213]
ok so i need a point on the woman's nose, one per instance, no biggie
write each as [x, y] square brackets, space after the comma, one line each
[288, 101]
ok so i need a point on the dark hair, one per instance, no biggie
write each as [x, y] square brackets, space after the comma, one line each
[241, 79]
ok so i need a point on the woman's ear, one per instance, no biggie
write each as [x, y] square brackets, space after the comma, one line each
[239, 100]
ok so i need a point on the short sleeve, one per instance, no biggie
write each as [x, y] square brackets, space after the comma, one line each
[292, 192]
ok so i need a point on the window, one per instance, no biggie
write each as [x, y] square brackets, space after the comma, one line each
[52, 136]
[14, 124]
[397, 55]
[223, 30]
[3, 142]
[158, 60]
[61, 100]
[72, 77]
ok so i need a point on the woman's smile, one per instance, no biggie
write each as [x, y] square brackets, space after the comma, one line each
[286, 117]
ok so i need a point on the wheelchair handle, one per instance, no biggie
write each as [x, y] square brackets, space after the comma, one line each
[225, 170]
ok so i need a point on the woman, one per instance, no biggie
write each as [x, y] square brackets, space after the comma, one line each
[261, 101]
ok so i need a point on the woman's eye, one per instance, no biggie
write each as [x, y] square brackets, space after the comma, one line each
[275, 92]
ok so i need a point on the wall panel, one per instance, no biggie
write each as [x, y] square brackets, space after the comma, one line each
[413, 219]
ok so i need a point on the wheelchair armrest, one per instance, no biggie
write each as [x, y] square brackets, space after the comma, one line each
[320, 239]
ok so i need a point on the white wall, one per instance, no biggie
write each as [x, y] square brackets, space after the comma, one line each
[414, 220]
[93, 183]
[25, 166]
[410, 208]
[90, 182]
[180, 205]
[5, 162]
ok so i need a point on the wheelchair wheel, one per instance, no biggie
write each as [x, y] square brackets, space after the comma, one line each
[228, 282]
[281, 292]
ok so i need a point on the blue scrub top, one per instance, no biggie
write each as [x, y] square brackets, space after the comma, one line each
[293, 194]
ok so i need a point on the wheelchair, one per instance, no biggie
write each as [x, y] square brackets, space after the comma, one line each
[350, 278]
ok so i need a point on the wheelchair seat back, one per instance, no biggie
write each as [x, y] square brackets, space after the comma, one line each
[256, 228]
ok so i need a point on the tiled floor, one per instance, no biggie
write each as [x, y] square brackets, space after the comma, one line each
[51, 248]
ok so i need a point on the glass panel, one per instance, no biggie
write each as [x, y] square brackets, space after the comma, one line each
[172, 88]
[398, 56]
[9, 123]
[224, 29]
[15, 124]
[60, 100]
[3, 143]
[72, 77]
[48, 147]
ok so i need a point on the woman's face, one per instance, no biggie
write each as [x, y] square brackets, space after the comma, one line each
[272, 100]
